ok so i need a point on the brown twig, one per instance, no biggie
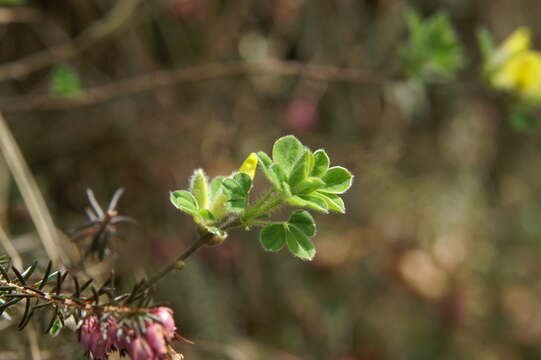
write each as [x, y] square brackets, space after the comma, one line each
[192, 74]
[118, 16]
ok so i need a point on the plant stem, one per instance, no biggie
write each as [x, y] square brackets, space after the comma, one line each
[178, 263]
[261, 207]
[260, 203]
[271, 205]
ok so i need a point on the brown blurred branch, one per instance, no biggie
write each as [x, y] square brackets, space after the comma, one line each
[192, 74]
[19, 15]
[117, 16]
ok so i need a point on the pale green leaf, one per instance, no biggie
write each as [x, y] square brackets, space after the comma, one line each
[286, 152]
[265, 164]
[199, 188]
[321, 163]
[334, 202]
[337, 180]
[184, 201]
[302, 168]
[215, 187]
[308, 185]
[309, 202]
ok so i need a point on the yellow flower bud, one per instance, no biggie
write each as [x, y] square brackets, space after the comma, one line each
[249, 165]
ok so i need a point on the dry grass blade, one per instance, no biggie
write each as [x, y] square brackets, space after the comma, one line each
[34, 344]
[4, 191]
[9, 248]
[29, 191]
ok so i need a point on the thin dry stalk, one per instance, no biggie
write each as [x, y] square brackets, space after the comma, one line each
[29, 191]
[4, 192]
[9, 248]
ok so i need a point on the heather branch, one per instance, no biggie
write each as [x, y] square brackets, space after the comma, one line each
[63, 300]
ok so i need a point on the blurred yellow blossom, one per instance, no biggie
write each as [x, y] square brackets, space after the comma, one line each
[514, 67]
[521, 74]
[518, 41]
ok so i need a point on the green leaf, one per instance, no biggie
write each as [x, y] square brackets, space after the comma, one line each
[299, 244]
[286, 152]
[199, 188]
[433, 50]
[309, 202]
[337, 180]
[302, 220]
[184, 201]
[237, 189]
[265, 164]
[308, 185]
[302, 168]
[55, 329]
[273, 237]
[206, 214]
[281, 178]
[321, 163]
[521, 120]
[65, 81]
[333, 201]
[244, 180]
[216, 187]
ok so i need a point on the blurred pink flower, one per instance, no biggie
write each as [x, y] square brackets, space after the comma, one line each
[301, 114]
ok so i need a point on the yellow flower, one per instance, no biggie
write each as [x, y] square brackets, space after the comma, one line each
[514, 67]
[518, 41]
[249, 165]
[520, 74]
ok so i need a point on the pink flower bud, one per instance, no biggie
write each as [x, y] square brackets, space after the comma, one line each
[141, 350]
[98, 348]
[121, 339]
[93, 340]
[85, 334]
[155, 336]
[165, 314]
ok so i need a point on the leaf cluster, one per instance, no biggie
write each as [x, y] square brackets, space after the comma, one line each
[433, 51]
[298, 177]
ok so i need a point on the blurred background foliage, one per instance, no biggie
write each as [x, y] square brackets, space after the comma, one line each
[438, 255]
